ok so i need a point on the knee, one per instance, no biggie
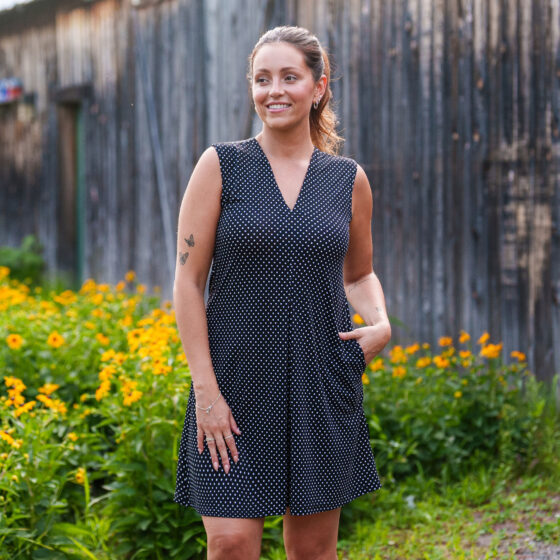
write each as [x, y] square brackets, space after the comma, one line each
[310, 551]
[232, 546]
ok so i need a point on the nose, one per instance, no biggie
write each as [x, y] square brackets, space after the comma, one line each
[276, 88]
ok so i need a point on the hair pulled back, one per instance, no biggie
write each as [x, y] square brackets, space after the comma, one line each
[322, 120]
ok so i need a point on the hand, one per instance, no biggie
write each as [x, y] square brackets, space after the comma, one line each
[372, 339]
[216, 425]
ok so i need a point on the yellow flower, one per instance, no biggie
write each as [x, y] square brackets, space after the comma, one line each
[397, 355]
[357, 319]
[73, 436]
[483, 338]
[464, 337]
[25, 408]
[65, 298]
[457, 394]
[102, 339]
[141, 288]
[4, 271]
[376, 365]
[103, 389]
[423, 361]
[48, 388]
[445, 341]
[55, 340]
[131, 397]
[15, 478]
[130, 276]
[464, 353]
[519, 355]
[6, 437]
[80, 475]
[14, 341]
[425, 345]
[412, 348]
[491, 350]
[464, 381]
[441, 362]
[399, 371]
[365, 379]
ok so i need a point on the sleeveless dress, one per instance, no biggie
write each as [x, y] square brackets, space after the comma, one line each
[275, 306]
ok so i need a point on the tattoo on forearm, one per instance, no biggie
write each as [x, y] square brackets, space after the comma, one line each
[184, 256]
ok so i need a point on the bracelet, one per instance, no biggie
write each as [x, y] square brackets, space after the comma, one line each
[208, 408]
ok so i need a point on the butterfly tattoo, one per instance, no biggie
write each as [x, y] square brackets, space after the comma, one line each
[183, 256]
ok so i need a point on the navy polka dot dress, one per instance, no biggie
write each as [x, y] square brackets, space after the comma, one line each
[276, 303]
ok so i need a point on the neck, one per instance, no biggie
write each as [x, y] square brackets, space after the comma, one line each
[286, 144]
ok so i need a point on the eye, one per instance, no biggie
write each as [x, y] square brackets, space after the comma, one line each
[291, 76]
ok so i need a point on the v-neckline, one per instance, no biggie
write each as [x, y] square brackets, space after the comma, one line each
[305, 178]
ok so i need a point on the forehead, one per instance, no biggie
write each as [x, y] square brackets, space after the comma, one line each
[278, 56]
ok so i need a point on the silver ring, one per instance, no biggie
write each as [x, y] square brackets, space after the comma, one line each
[230, 435]
[210, 439]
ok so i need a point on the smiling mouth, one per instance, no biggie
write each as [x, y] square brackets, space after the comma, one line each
[277, 107]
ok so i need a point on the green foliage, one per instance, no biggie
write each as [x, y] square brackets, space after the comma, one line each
[441, 416]
[25, 263]
[93, 399]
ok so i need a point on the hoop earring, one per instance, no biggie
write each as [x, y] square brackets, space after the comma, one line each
[316, 104]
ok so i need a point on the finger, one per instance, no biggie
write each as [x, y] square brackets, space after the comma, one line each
[232, 447]
[212, 447]
[199, 440]
[234, 425]
[223, 453]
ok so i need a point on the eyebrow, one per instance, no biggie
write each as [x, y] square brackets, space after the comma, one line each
[281, 69]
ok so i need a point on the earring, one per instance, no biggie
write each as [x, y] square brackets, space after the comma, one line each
[316, 103]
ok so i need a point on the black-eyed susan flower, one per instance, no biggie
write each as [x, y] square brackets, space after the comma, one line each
[519, 355]
[491, 350]
[56, 340]
[440, 361]
[483, 338]
[15, 341]
[464, 337]
[423, 361]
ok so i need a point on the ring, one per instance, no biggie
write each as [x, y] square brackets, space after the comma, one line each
[230, 435]
[210, 439]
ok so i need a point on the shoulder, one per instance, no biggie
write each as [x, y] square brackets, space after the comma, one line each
[340, 164]
[231, 147]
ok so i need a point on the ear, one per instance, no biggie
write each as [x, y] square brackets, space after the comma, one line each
[321, 85]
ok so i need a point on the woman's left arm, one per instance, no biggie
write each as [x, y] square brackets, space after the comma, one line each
[363, 288]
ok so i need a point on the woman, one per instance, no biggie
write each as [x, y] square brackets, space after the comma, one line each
[276, 393]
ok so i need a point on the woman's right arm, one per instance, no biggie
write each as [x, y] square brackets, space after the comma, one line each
[198, 218]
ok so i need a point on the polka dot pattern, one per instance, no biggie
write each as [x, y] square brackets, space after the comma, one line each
[276, 303]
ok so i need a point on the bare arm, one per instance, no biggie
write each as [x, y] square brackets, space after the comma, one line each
[198, 218]
[363, 288]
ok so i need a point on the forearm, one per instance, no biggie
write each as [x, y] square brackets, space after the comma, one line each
[367, 299]
[190, 315]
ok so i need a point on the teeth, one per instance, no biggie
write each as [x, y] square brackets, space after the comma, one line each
[277, 106]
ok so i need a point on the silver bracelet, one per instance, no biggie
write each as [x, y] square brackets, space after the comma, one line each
[208, 408]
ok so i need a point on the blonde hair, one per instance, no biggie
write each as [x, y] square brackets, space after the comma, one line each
[322, 120]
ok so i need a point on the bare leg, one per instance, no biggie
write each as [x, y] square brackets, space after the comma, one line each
[233, 538]
[311, 537]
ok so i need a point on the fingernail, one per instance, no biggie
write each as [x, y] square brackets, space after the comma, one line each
[226, 468]
[216, 466]
[236, 458]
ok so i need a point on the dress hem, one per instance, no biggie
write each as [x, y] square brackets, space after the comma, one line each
[317, 509]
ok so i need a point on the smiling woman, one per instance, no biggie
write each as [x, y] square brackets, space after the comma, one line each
[275, 362]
